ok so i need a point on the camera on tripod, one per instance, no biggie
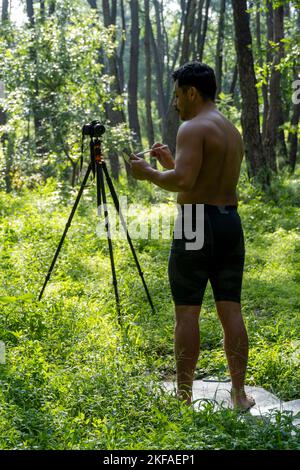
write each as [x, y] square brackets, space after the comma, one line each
[93, 129]
[97, 165]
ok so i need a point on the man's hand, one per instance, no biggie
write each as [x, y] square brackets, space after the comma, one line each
[139, 167]
[164, 156]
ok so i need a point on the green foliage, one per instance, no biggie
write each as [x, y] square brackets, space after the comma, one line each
[75, 379]
[54, 83]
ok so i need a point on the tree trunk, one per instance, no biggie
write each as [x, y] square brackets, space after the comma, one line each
[4, 14]
[178, 44]
[198, 27]
[42, 7]
[9, 152]
[115, 116]
[172, 120]
[294, 135]
[270, 39]
[279, 37]
[150, 129]
[40, 145]
[160, 40]
[220, 43]
[133, 72]
[250, 112]
[264, 88]
[7, 140]
[287, 10]
[52, 7]
[233, 81]
[188, 31]
[93, 4]
[30, 12]
[274, 120]
[203, 35]
[122, 46]
[167, 93]
[161, 104]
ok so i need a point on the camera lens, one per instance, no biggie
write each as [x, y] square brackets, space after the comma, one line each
[99, 130]
[94, 129]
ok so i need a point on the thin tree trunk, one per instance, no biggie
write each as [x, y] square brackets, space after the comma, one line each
[250, 112]
[172, 120]
[220, 44]
[287, 10]
[9, 152]
[148, 101]
[270, 39]
[260, 60]
[133, 72]
[294, 135]
[43, 12]
[93, 4]
[279, 37]
[52, 7]
[122, 46]
[274, 120]
[203, 35]
[161, 105]
[234, 80]
[30, 12]
[115, 116]
[168, 57]
[188, 31]
[178, 44]
[159, 35]
[7, 140]
[198, 26]
[35, 90]
[4, 14]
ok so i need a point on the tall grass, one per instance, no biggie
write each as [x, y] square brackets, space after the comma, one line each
[75, 379]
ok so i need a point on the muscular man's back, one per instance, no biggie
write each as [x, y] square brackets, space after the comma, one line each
[221, 161]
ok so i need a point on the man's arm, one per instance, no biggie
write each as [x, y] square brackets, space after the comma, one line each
[188, 161]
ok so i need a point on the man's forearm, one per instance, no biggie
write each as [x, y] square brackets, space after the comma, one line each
[168, 180]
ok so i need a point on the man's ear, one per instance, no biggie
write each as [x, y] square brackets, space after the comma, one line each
[193, 92]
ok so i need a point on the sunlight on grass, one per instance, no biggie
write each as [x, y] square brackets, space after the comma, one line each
[75, 379]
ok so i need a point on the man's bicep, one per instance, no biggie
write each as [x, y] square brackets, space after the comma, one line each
[189, 155]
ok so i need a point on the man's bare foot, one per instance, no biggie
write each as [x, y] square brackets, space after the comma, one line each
[241, 401]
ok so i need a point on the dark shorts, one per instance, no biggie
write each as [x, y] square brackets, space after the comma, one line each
[220, 260]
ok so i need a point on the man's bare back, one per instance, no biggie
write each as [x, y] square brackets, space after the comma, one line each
[222, 154]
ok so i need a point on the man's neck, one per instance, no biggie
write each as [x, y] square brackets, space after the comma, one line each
[205, 106]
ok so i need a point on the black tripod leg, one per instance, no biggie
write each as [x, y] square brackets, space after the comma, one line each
[101, 190]
[117, 205]
[66, 228]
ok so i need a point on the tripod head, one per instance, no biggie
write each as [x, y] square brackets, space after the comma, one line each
[93, 129]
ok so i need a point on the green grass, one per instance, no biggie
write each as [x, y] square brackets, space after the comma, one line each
[75, 379]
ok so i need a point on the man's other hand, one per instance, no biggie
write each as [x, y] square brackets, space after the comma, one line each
[164, 156]
[139, 167]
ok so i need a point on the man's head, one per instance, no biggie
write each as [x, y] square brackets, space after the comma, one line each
[195, 84]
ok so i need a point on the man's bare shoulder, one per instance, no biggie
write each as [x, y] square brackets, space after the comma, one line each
[193, 127]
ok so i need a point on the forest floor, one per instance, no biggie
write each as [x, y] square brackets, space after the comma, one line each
[74, 378]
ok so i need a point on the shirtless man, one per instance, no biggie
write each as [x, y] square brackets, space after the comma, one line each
[206, 168]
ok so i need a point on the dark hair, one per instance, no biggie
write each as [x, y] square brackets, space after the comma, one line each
[199, 75]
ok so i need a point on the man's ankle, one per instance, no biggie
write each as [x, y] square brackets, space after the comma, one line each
[237, 391]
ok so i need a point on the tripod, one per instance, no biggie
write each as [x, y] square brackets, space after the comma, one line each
[98, 166]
